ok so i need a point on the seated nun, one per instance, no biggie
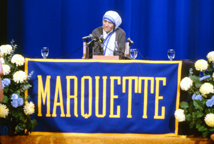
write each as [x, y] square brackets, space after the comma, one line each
[113, 38]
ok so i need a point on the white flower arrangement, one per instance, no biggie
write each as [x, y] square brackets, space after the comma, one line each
[179, 115]
[4, 111]
[18, 59]
[5, 50]
[29, 108]
[186, 83]
[13, 113]
[201, 65]
[6, 69]
[209, 119]
[199, 110]
[210, 56]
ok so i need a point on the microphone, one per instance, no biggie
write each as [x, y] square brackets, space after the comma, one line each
[130, 41]
[95, 39]
[101, 38]
[86, 37]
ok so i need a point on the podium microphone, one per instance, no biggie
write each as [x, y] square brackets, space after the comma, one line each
[94, 39]
[86, 37]
[130, 41]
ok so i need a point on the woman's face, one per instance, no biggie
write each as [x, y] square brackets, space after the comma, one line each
[107, 26]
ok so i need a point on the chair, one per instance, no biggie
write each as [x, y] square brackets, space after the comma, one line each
[84, 50]
[87, 51]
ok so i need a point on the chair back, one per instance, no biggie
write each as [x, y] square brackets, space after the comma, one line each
[84, 50]
[127, 48]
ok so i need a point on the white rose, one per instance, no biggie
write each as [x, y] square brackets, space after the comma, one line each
[5, 50]
[179, 115]
[29, 108]
[6, 69]
[4, 111]
[209, 119]
[206, 88]
[18, 60]
[19, 77]
[2, 60]
[210, 56]
[186, 83]
[201, 65]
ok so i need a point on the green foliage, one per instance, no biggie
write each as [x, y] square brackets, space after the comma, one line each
[199, 114]
[195, 110]
[189, 117]
[33, 124]
[195, 79]
[184, 105]
[198, 105]
[20, 127]
[191, 124]
[190, 71]
[205, 133]
[5, 99]
[16, 119]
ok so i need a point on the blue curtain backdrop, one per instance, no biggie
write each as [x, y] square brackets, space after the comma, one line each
[154, 25]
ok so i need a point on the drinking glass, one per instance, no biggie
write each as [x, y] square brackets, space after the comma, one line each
[133, 53]
[171, 54]
[44, 52]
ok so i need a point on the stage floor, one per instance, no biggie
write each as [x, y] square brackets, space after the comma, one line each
[55, 139]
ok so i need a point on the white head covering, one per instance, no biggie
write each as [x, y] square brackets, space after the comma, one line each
[113, 17]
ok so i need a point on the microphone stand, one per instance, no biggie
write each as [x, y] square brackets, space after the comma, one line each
[90, 48]
[139, 52]
[131, 42]
[70, 53]
[73, 51]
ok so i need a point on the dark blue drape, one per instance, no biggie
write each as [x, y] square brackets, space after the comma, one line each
[154, 25]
